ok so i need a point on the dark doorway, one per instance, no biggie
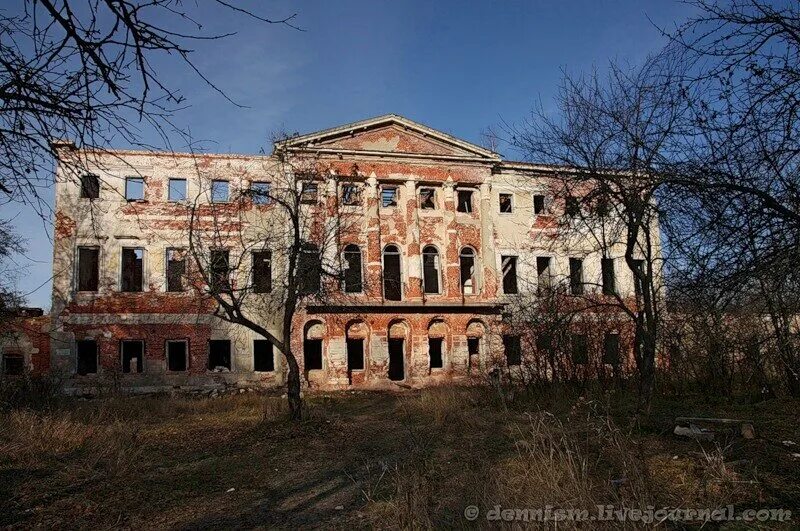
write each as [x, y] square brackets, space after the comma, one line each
[474, 350]
[219, 354]
[312, 354]
[355, 354]
[397, 370]
[435, 352]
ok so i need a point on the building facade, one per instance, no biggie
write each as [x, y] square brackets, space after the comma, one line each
[445, 238]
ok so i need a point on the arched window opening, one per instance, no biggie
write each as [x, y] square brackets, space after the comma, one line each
[392, 279]
[469, 284]
[431, 268]
[353, 282]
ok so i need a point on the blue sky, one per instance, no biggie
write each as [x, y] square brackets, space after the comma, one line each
[455, 66]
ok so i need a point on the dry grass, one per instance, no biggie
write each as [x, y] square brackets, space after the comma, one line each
[373, 460]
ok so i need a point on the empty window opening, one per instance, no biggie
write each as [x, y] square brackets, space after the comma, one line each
[88, 268]
[132, 269]
[392, 280]
[464, 201]
[544, 274]
[427, 198]
[219, 354]
[609, 280]
[538, 204]
[177, 356]
[176, 269]
[177, 190]
[134, 188]
[389, 196]
[611, 349]
[571, 206]
[435, 352]
[430, 269]
[351, 194]
[219, 269]
[474, 350]
[396, 359]
[263, 356]
[544, 344]
[513, 350]
[260, 192]
[309, 193]
[220, 191]
[352, 273]
[309, 269]
[576, 276]
[467, 264]
[132, 356]
[90, 186]
[355, 354]
[312, 354]
[580, 349]
[262, 271]
[509, 266]
[13, 364]
[87, 356]
[506, 203]
[638, 284]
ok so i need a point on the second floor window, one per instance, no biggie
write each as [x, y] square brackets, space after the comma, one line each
[132, 269]
[464, 201]
[431, 268]
[309, 269]
[309, 193]
[177, 190]
[609, 278]
[134, 188]
[90, 186]
[392, 278]
[427, 198]
[220, 191]
[88, 268]
[219, 269]
[351, 194]
[352, 272]
[576, 276]
[389, 195]
[262, 271]
[538, 204]
[544, 274]
[467, 265]
[509, 267]
[506, 203]
[176, 269]
[259, 192]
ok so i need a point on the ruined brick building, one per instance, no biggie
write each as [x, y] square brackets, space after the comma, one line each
[448, 236]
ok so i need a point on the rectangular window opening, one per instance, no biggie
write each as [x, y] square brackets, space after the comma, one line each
[312, 355]
[219, 355]
[132, 356]
[389, 196]
[177, 190]
[427, 198]
[177, 356]
[538, 204]
[219, 266]
[572, 206]
[13, 364]
[611, 349]
[513, 350]
[262, 271]
[260, 192]
[87, 356]
[355, 354]
[609, 280]
[506, 203]
[351, 194]
[544, 274]
[580, 350]
[576, 276]
[90, 186]
[464, 201]
[220, 191]
[637, 281]
[435, 352]
[263, 356]
[132, 269]
[88, 268]
[309, 193]
[509, 267]
[176, 269]
[134, 188]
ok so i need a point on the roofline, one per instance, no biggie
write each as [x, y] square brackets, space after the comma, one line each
[396, 118]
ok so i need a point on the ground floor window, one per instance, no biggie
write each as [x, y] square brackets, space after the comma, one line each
[177, 356]
[513, 349]
[13, 364]
[219, 354]
[263, 356]
[87, 356]
[435, 352]
[312, 354]
[132, 356]
[355, 354]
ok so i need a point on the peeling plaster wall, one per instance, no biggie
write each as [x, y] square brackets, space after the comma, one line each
[155, 316]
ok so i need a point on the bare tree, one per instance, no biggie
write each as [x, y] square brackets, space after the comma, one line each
[10, 244]
[293, 218]
[613, 138]
[84, 70]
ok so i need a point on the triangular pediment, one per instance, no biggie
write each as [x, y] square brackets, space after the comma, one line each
[390, 134]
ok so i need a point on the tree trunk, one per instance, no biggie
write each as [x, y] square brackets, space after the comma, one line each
[293, 388]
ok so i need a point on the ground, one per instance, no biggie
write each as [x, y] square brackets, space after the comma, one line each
[415, 458]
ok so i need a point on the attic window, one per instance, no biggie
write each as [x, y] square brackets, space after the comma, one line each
[309, 193]
[427, 198]
[351, 194]
[464, 201]
[389, 196]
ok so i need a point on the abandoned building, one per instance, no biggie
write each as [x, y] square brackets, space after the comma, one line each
[25, 343]
[446, 236]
